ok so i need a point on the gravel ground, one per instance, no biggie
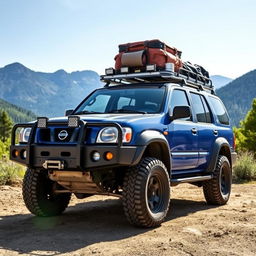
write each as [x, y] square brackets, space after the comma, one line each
[97, 226]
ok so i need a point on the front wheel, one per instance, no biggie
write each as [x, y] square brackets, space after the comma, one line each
[38, 194]
[146, 193]
[217, 190]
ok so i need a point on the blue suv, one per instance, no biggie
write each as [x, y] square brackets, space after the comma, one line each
[133, 139]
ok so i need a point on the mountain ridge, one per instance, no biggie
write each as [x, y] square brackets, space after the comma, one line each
[220, 81]
[238, 95]
[45, 93]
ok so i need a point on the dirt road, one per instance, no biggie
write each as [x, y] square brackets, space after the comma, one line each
[97, 226]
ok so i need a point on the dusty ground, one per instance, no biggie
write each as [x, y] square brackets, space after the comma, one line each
[97, 226]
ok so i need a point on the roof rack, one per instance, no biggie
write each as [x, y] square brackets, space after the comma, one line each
[162, 76]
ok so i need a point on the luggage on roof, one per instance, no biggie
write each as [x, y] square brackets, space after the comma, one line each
[195, 70]
[154, 61]
[140, 54]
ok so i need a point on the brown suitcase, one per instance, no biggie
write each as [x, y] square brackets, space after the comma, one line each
[140, 54]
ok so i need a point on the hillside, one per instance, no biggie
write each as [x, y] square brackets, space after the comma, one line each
[47, 94]
[18, 114]
[219, 81]
[238, 95]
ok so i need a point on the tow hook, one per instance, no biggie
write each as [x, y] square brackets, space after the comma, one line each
[54, 164]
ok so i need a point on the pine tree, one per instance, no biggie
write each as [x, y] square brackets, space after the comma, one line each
[246, 135]
[5, 126]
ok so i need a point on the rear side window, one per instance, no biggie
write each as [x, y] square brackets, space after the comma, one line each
[219, 110]
[179, 98]
[207, 111]
[201, 109]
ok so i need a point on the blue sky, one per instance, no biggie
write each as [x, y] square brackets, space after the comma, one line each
[48, 35]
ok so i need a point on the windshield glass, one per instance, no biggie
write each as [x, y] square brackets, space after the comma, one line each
[124, 100]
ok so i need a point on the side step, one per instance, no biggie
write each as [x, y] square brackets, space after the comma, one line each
[191, 179]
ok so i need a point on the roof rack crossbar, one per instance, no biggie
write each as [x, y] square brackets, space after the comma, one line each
[199, 82]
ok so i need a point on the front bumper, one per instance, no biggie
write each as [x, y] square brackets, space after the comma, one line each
[76, 156]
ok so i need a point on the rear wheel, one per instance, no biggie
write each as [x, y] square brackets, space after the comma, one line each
[146, 193]
[217, 190]
[39, 196]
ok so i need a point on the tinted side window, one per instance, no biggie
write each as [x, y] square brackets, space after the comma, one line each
[179, 98]
[198, 107]
[207, 110]
[219, 110]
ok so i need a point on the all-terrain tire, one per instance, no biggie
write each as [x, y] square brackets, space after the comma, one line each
[38, 194]
[146, 193]
[217, 190]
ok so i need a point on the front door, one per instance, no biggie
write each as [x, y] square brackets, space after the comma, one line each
[183, 136]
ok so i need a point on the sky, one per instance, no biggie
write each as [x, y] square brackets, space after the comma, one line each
[47, 35]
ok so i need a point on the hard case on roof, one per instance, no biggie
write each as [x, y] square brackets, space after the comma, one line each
[140, 54]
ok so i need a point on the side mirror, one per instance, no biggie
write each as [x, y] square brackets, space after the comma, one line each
[69, 112]
[180, 112]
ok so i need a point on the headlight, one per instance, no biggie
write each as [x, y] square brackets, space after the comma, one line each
[110, 135]
[24, 134]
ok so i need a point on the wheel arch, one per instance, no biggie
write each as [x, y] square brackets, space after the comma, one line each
[220, 147]
[155, 145]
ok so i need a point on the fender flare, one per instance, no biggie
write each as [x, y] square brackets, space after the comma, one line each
[218, 144]
[151, 136]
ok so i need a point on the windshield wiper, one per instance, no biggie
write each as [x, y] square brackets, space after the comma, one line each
[128, 111]
[87, 112]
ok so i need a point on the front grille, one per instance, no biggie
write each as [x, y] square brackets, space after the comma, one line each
[57, 135]
[63, 135]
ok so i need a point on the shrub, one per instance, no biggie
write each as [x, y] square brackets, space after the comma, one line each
[245, 168]
[10, 172]
[4, 147]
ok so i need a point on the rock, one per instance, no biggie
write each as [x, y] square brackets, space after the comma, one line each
[217, 234]
[193, 231]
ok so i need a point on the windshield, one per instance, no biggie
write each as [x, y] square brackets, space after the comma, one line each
[124, 100]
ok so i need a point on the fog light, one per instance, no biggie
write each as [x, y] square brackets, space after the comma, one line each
[109, 71]
[23, 154]
[124, 70]
[109, 156]
[96, 156]
[151, 67]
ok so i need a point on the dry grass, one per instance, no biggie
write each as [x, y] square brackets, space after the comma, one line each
[245, 168]
[10, 173]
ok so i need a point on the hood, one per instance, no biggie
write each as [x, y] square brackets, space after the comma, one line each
[122, 119]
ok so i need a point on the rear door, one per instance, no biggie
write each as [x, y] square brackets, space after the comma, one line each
[206, 129]
[183, 139]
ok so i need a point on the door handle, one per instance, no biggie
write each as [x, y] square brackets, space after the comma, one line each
[215, 132]
[194, 130]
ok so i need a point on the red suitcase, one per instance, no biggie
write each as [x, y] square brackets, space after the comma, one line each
[139, 54]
